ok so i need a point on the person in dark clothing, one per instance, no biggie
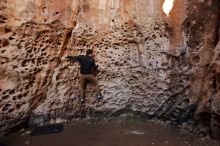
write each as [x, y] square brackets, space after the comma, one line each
[87, 68]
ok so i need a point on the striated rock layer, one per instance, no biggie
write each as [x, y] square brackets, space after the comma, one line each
[147, 64]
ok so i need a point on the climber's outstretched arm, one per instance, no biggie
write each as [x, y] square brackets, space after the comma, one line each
[72, 58]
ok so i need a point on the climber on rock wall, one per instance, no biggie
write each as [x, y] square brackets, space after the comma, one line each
[87, 69]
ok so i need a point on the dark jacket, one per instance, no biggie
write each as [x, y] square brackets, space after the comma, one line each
[87, 63]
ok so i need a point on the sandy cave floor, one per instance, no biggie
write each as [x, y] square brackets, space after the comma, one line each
[113, 132]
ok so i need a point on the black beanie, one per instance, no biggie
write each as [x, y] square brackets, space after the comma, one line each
[89, 51]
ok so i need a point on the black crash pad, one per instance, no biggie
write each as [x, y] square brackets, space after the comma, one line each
[48, 129]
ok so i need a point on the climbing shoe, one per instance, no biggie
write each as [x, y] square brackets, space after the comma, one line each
[81, 99]
[98, 98]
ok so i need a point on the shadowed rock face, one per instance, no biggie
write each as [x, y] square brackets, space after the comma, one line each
[202, 32]
[147, 64]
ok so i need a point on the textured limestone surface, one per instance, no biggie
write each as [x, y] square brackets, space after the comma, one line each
[149, 63]
[202, 38]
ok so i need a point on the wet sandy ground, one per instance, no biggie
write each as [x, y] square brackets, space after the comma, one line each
[114, 132]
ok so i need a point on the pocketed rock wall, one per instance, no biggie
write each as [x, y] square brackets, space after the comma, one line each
[134, 74]
[143, 57]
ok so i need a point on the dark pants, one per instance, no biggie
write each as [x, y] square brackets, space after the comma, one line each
[85, 78]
